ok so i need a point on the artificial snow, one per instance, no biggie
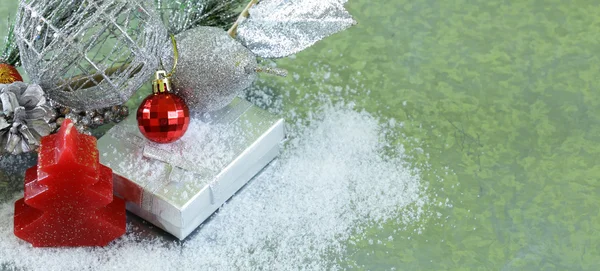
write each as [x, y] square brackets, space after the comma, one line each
[331, 181]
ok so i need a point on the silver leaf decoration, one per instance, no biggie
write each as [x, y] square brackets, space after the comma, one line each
[279, 28]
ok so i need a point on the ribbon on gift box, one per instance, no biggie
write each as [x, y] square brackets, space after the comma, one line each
[180, 168]
[176, 153]
[176, 168]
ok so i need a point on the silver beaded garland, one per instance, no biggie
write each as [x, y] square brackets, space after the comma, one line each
[84, 121]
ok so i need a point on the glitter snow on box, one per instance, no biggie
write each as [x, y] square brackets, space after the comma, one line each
[179, 185]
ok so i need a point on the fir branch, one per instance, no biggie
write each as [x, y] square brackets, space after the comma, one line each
[62, 13]
[10, 52]
[181, 15]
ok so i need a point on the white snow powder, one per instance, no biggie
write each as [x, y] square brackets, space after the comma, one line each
[331, 181]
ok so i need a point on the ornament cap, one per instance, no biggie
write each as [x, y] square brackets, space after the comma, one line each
[161, 83]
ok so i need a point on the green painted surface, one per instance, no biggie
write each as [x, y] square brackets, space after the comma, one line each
[503, 94]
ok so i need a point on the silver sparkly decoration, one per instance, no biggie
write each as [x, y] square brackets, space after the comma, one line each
[25, 118]
[279, 28]
[89, 54]
[212, 70]
[84, 121]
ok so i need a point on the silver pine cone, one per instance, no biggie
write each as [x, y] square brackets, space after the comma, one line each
[24, 118]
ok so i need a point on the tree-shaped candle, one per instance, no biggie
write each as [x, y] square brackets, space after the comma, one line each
[69, 195]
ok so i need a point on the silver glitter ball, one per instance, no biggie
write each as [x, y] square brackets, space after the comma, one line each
[212, 70]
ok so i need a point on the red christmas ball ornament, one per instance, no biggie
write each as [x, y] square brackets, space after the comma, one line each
[9, 74]
[163, 117]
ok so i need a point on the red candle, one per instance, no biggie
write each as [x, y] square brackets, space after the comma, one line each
[69, 195]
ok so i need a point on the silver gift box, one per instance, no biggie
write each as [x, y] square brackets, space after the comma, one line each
[177, 186]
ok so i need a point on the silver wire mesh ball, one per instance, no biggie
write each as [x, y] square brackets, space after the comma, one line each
[89, 54]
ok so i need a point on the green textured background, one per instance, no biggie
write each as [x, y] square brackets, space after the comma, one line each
[503, 94]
